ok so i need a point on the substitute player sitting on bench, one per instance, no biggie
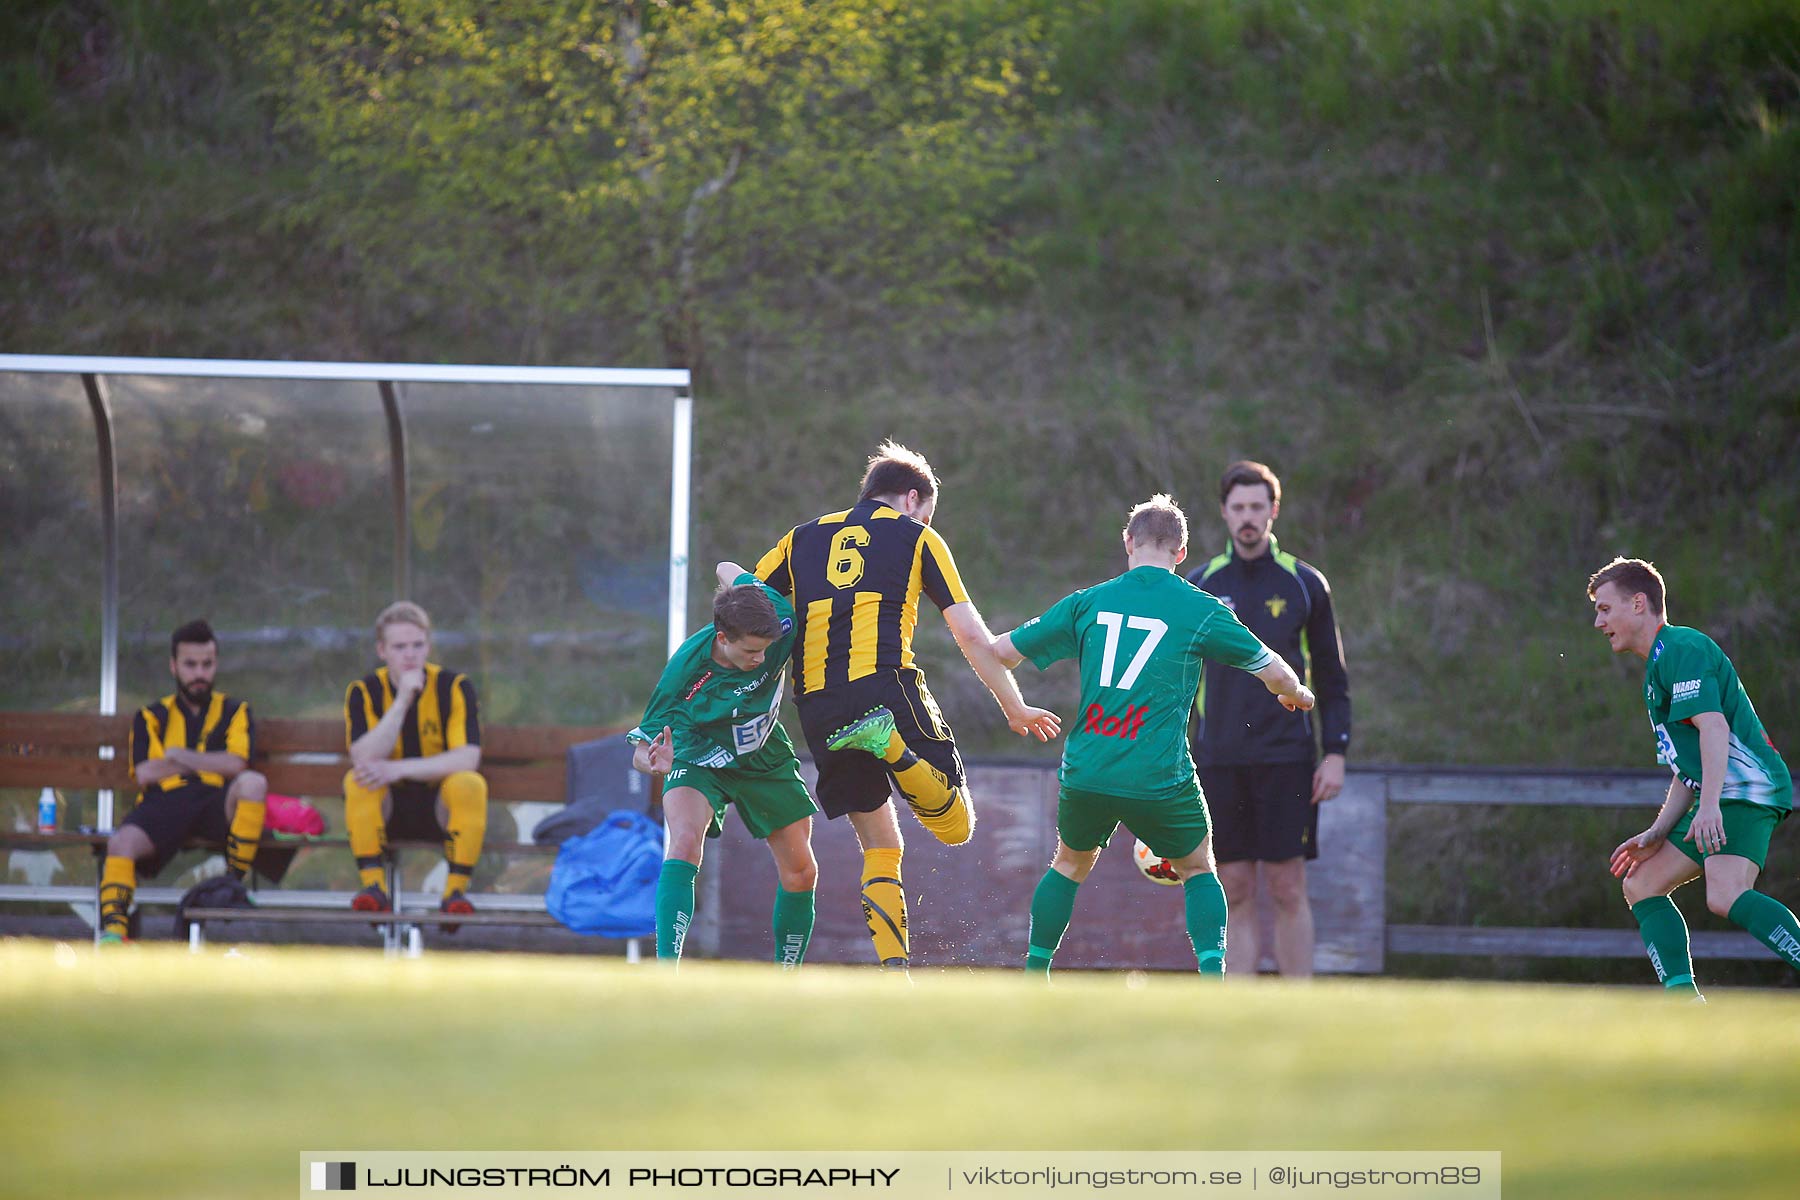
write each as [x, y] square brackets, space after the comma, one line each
[184, 750]
[415, 746]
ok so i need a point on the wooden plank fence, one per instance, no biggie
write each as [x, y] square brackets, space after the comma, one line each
[969, 905]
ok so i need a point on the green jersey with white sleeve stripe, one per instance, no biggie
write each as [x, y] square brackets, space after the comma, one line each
[1687, 674]
[1142, 640]
[718, 715]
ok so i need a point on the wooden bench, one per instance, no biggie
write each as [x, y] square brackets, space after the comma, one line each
[522, 764]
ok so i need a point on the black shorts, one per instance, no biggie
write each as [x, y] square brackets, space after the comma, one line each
[170, 819]
[412, 813]
[855, 780]
[1262, 812]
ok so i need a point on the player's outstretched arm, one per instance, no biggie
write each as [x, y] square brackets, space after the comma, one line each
[1633, 852]
[1045, 726]
[1279, 678]
[1006, 652]
[976, 642]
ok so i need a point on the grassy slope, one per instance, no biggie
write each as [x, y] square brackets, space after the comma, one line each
[1500, 289]
[1584, 1092]
[1484, 281]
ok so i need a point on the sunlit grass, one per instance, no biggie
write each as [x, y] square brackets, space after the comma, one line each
[151, 1072]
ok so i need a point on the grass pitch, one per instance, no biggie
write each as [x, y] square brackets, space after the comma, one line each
[150, 1072]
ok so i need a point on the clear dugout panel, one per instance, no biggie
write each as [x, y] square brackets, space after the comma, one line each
[50, 544]
[540, 543]
[51, 568]
[265, 507]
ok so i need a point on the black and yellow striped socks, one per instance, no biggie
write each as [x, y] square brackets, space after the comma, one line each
[246, 829]
[465, 796]
[884, 905]
[942, 807]
[368, 832]
[118, 884]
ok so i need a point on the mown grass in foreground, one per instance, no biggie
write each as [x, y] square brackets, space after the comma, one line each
[153, 1073]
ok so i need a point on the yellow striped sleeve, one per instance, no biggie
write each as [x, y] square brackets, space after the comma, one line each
[358, 714]
[776, 567]
[909, 608]
[146, 737]
[938, 576]
[456, 721]
[237, 734]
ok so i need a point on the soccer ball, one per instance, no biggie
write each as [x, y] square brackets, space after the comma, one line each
[1155, 867]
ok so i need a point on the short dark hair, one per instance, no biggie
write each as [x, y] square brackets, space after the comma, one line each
[894, 471]
[1245, 473]
[745, 610]
[194, 633]
[1632, 575]
[1158, 521]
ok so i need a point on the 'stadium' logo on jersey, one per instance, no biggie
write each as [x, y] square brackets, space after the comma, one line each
[1126, 726]
[1687, 689]
[1276, 605]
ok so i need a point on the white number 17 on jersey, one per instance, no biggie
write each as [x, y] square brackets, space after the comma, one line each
[1112, 620]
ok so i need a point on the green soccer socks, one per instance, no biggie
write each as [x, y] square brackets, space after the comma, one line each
[1206, 912]
[793, 924]
[674, 906]
[1770, 922]
[1052, 906]
[1665, 937]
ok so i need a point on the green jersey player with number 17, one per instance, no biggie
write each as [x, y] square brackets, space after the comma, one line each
[720, 744]
[1142, 640]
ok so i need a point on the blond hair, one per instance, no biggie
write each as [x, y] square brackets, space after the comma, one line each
[401, 612]
[1158, 521]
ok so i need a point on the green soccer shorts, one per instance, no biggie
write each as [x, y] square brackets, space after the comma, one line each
[1173, 825]
[1748, 828]
[766, 788]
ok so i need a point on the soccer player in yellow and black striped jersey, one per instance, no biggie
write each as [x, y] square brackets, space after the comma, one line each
[190, 753]
[415, 751]
[855, 578]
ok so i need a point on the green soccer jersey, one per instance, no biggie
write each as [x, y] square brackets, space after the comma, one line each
[1142, 640]
[1687, 674]
[718, 715]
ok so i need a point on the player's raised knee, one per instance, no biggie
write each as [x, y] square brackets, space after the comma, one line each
[471, 784]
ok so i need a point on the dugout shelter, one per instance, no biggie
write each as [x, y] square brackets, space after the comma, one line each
[540, 514]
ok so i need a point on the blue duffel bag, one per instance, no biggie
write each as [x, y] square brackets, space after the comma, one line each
[604, 882]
